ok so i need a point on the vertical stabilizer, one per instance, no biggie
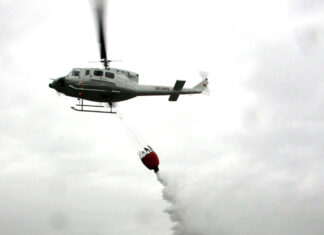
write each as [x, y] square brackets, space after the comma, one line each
[202, 86]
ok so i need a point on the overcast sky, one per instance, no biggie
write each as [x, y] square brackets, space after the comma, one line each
[248, 159]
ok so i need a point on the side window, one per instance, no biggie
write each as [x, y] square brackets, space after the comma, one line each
[87, 72]
[76, 73]
[109, 75]
[98, 73]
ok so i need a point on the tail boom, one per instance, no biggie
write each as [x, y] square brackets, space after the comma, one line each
[173, 92]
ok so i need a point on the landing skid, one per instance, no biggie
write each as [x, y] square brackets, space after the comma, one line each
[81, 109]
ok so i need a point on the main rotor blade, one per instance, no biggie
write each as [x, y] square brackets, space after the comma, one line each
[100, 11]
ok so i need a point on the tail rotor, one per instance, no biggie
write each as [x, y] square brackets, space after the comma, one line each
[204, 83]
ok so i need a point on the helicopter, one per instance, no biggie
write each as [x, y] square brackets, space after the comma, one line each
[110, 85]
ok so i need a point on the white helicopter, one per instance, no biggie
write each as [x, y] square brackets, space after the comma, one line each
[110, 85]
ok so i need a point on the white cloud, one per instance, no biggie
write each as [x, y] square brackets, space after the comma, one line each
[245, 160]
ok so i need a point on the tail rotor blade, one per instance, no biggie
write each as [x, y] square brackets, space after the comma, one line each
[203, 74]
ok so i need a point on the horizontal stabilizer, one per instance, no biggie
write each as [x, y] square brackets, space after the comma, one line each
[177, 87]
[174, 97]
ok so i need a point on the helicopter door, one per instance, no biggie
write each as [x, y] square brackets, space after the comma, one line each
[97, 76]
[87, 73]
[98, 73]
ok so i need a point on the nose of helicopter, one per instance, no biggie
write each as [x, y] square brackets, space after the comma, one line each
[58, 83]
[53, 83]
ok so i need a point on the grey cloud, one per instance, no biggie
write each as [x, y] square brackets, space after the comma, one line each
[309, 38]
[58, 220]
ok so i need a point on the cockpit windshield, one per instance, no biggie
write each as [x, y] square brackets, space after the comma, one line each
[76, 73]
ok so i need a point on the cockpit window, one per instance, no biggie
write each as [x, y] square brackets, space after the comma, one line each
[76, 73]
[98, 73]
[109, 75]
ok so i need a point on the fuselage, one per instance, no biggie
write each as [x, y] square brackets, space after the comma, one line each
[114, 85]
